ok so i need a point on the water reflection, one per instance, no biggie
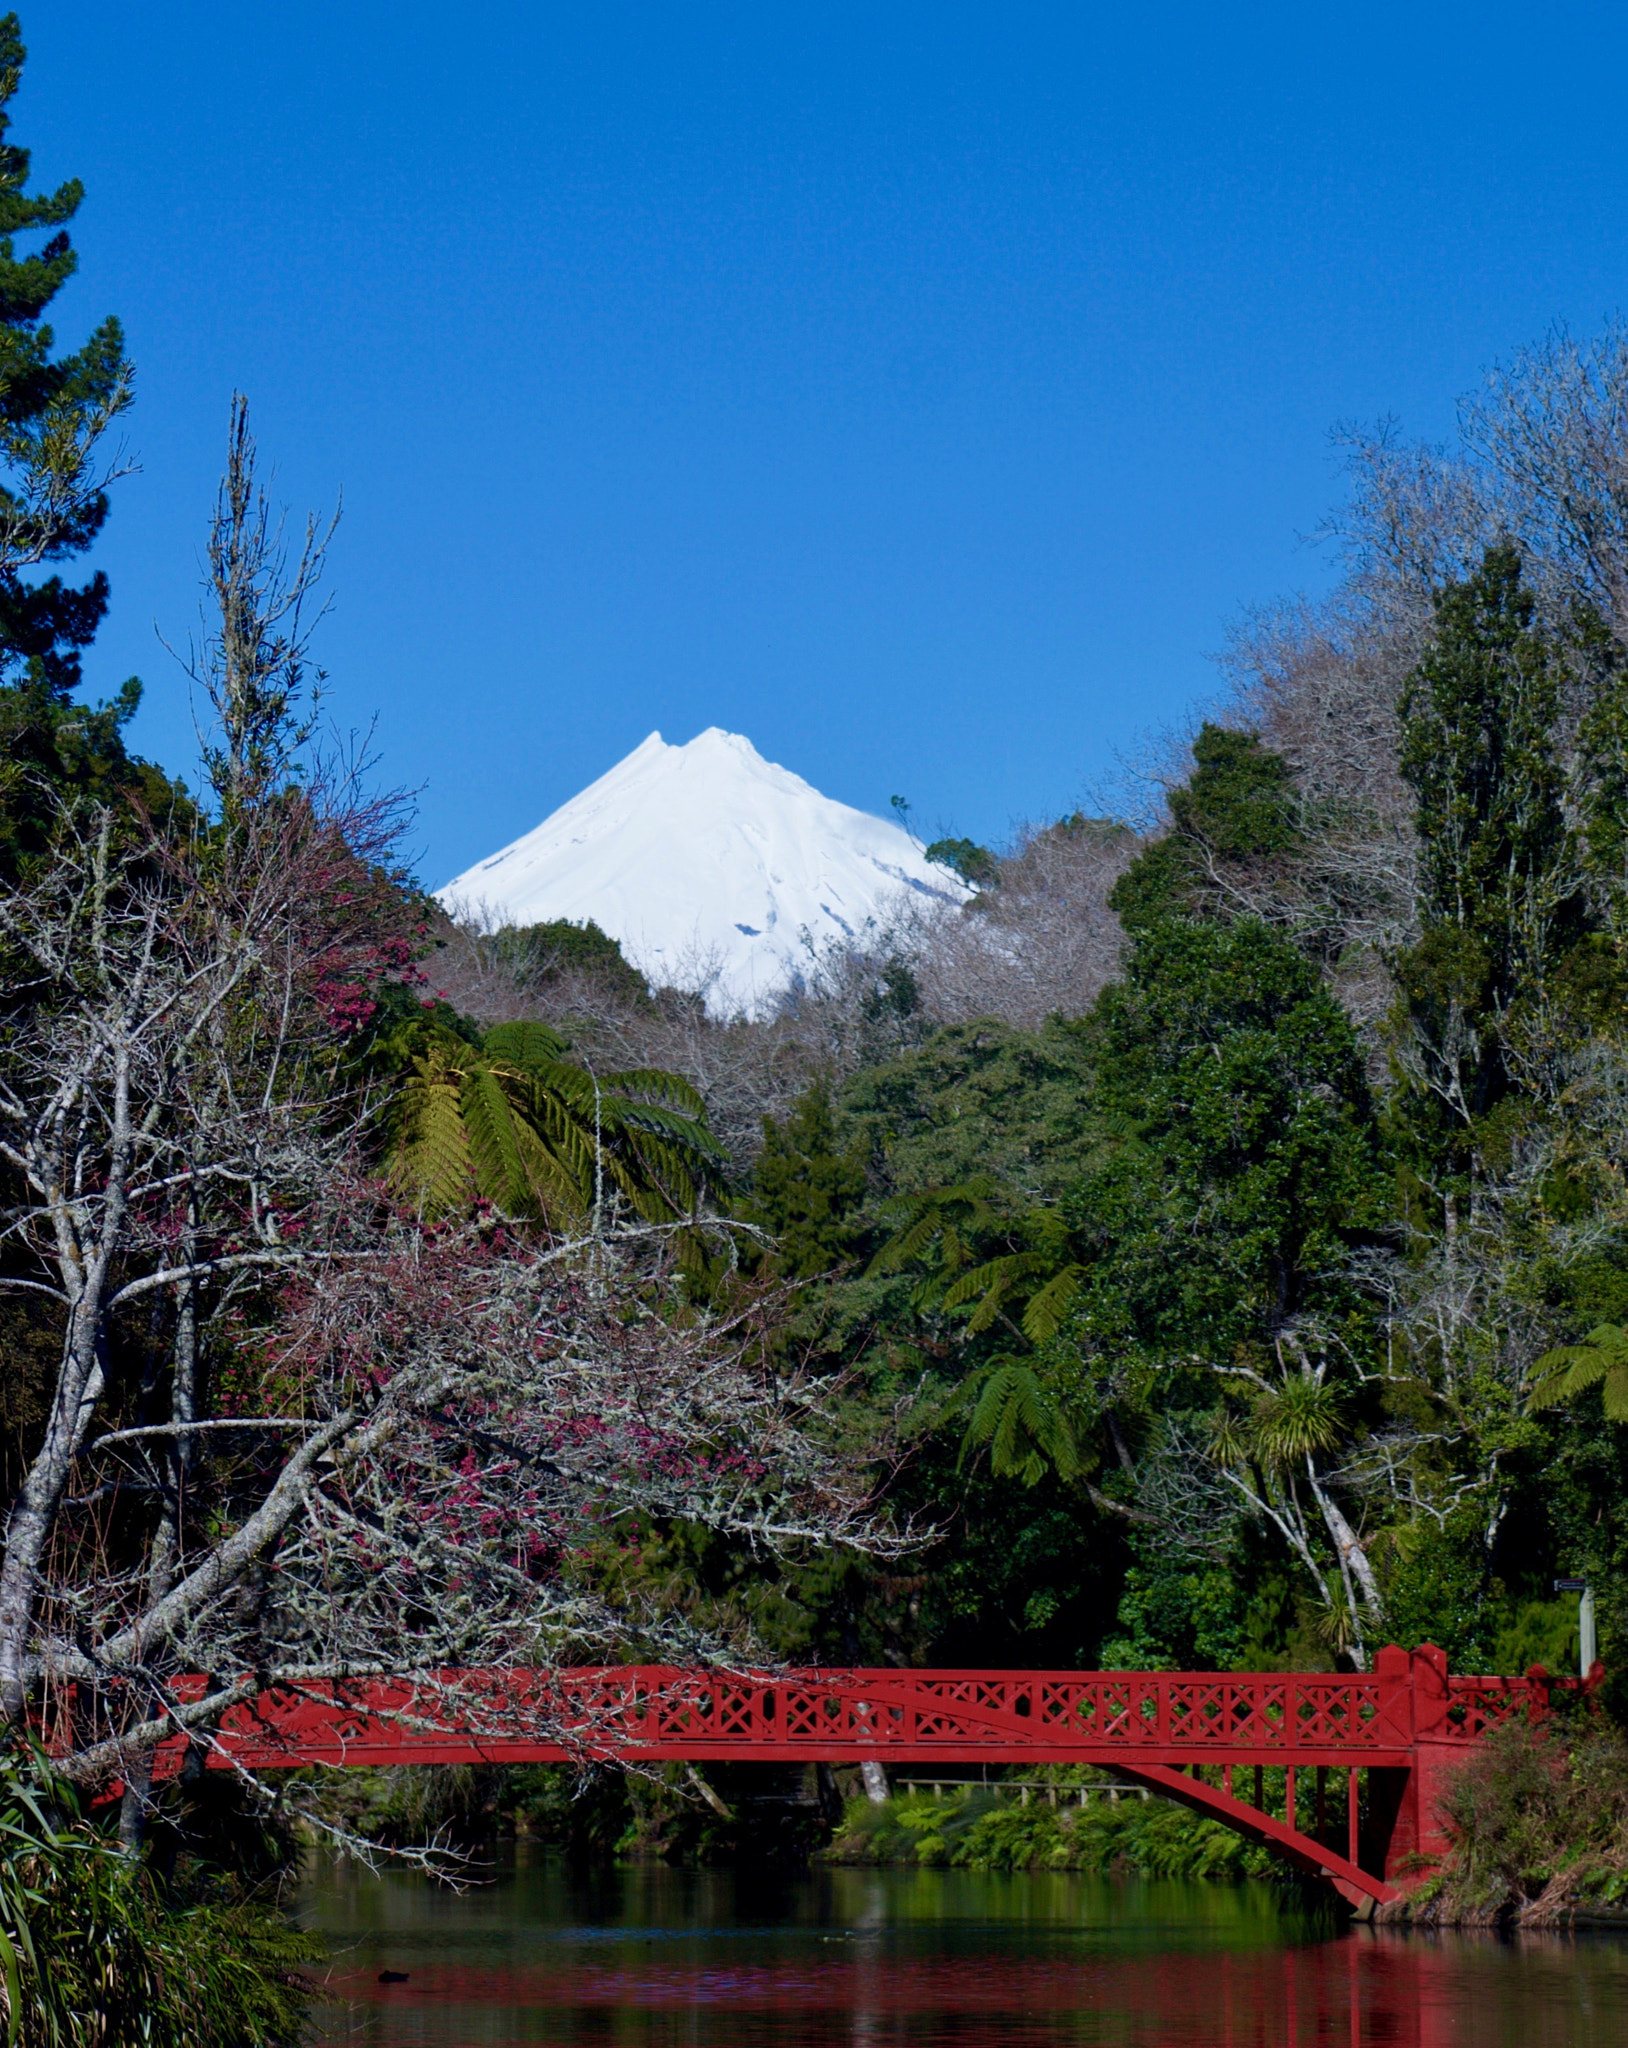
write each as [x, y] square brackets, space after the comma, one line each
[896, 1959]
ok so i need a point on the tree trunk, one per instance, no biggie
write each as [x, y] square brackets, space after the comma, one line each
[1354, 1564]
[167, 1541]
[33, 1515]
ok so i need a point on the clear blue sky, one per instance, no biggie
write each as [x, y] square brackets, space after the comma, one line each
[918, 390]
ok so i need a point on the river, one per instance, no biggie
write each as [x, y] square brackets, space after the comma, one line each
[655, 1958]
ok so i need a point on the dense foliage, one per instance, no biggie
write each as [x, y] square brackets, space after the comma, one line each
[1538, 1824]
[95, 1948]
[1256, 1313]
[1063, 1826]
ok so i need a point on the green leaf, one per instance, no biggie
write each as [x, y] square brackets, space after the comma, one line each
[1024, 1428]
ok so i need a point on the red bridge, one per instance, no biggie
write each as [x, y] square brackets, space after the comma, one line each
[1340, 1774]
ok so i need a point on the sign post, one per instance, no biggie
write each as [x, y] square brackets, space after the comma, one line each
[1587, 1643]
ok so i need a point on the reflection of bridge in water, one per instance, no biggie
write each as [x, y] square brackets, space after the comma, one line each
[1340, 1774]
[1175, 1985]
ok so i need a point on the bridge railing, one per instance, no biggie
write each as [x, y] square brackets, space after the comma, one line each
[647, 1711]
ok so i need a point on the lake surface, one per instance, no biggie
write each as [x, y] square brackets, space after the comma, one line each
[655, 1958]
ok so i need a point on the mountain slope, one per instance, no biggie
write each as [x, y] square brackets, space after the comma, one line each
[711, 865]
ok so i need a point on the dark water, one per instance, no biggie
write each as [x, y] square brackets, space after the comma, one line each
[644, 1958]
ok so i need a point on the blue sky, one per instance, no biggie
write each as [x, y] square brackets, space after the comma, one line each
[919, 391]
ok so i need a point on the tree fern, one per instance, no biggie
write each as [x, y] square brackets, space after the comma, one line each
[1600, 1360]
[941, 1229]
[1022, 1424]
[429, 1152]
[516, 1122]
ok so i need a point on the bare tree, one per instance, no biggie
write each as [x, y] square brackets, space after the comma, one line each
[460, 1421]
[1042, 941]
[293, 1434]
[855, 1002]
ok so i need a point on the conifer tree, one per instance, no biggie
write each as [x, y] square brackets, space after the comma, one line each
[1502, 900]
[55, 410]
[1237, 806]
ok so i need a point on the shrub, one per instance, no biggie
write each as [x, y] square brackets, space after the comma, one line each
[1147, 1838]
[93, 1950]
[1538, 1825]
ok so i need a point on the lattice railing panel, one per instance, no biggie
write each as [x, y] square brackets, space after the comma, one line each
[1476, 1704]
[1180, 1718]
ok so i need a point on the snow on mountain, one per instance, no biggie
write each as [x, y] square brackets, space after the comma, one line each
[707, 863]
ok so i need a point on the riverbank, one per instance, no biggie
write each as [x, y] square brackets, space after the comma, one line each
[1538, 1819]
[1538, 1822]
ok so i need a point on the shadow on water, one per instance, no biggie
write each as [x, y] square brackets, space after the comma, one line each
[654, 1958]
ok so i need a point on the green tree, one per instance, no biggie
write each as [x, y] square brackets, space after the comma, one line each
[806, 1187]
[1185, 1301]
[975, 864]
[1236, 807]
[1601, 1360]
[1255, 1164]
[54, 411]
[1502, 897]
[540, 955]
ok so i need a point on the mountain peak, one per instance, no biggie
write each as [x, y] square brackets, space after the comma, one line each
[710, 864]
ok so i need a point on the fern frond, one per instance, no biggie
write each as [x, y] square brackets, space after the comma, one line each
[489, 1122]
[557, 1194]
[559, 1128]
[907, 1247]
[1004, 1272]
[1571, 1369]
[672, 1126]
[1048, 1311]
[524, 1043]
[650, 1084]
[533, 1132]
[1026, 1432]
[429, 1163]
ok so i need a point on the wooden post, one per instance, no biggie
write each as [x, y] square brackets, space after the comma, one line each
[1351, 1813]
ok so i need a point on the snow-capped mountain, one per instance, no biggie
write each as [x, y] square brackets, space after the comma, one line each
[706, 861]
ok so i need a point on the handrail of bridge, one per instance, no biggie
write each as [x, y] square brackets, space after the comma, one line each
[645, 1712]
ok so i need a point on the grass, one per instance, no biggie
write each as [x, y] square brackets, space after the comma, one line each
[95, 1949]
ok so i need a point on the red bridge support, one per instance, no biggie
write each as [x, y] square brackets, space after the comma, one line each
[1231, 1744]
